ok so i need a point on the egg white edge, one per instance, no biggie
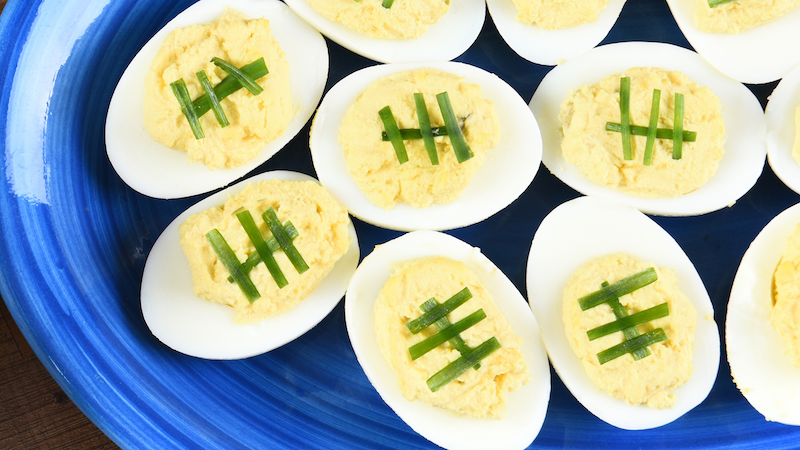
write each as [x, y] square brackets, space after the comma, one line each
[745, 126]
[759, 364]
[754, 56]
[161, 172]
[507, 172]
[198, 327]
[526, 406]
[781, 129]
[597, 227]
[444, 40]
[551, 47]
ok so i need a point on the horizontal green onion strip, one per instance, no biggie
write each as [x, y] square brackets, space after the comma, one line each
[628, 333]
[250, 227]
[715, 3]
[229, 85]
[271, 218]
[638, 342]
[182, 94]
[648, 315]
[245, 80]
[430, 317]
[618, 289]
[456, 342]
[625, 116]
[462, 364]
[425, 128]
[228, 259]
[423, 347]
[409, 134]
[661, 133]
[254, 259]
[387, 3]
[393, 132]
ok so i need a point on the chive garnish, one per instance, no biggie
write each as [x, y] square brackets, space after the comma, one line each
[445, 335]
[661, 133]
[651, 130]
[618, 289]
[456, 342]
[650, 314]
[638, 342]
[425, 128]
[629, 333]
[229, 85]
[390, 125]
[430, 317]
[254, 259]
[625, 116]
[387, 3]
[677, 136]
[222, 119]
[460, 146]
[715, 3]
[415, 133]
[271, 218]
[249, 225]
[228, 259]
[182, 94]
[462, 364]
[243, 79]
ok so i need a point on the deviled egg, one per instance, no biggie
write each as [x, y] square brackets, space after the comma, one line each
[551, 46]
[587, 228]
[525, 407]
[752, 56]
[161, 172]
[199, 327]
[759, 359]
[744, 147]
[444, 40]
[507, 170]
[782, 130]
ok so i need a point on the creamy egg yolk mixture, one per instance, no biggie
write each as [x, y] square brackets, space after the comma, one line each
[740, 15]
[558, 14]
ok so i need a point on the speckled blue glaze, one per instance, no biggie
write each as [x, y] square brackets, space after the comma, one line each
[75, 239]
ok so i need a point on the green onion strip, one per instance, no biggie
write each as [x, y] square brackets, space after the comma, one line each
[228, 259]
[661, 133]
[182, 94]
[222, 119]
[390, 125]
[462, 364]
[254, 259]
[415, 133]
[420, 348]
[648, 315]
[456, 342]
[271, 218]
[249, 225]
[430, 317]
[629, 346]
[425, 128]
[459, 143]
[715, 3]
[618, 289]
[629, 333]
[243, 79]
[387, 3]
[677, 137]
[651, 130]
[229, 85]
[625, 116]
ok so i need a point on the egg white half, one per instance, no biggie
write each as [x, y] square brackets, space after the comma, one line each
[507, 170]
[551, 47]
[759, 364]
[745, 127]
[444, 40]
[781, 129]
[526, 406]
[204, 329]
[759, 55]
[589, 227]
[161, 172]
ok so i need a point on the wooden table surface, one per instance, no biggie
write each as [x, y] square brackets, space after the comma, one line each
[34, 411]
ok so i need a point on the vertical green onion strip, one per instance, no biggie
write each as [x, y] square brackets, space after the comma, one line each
[229, 85]
[640, 341]
[454, 370]
[222, 119]
[652, 128]
[254, 259]
[456, 342]
[228, 259]
[245, 80]
[618, 289]
[390, 125]
[422, 347]
[460, 146]
[425, 128]
[715, 3]
[249, 225]
[637, 130]
[430, 317]
[677, 135]
[629, 333]
[648, 315]
[625, 116]
[182, 94]
[387, 3]
[271, 218]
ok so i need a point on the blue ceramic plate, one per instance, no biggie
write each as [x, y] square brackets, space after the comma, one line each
[75, 239]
